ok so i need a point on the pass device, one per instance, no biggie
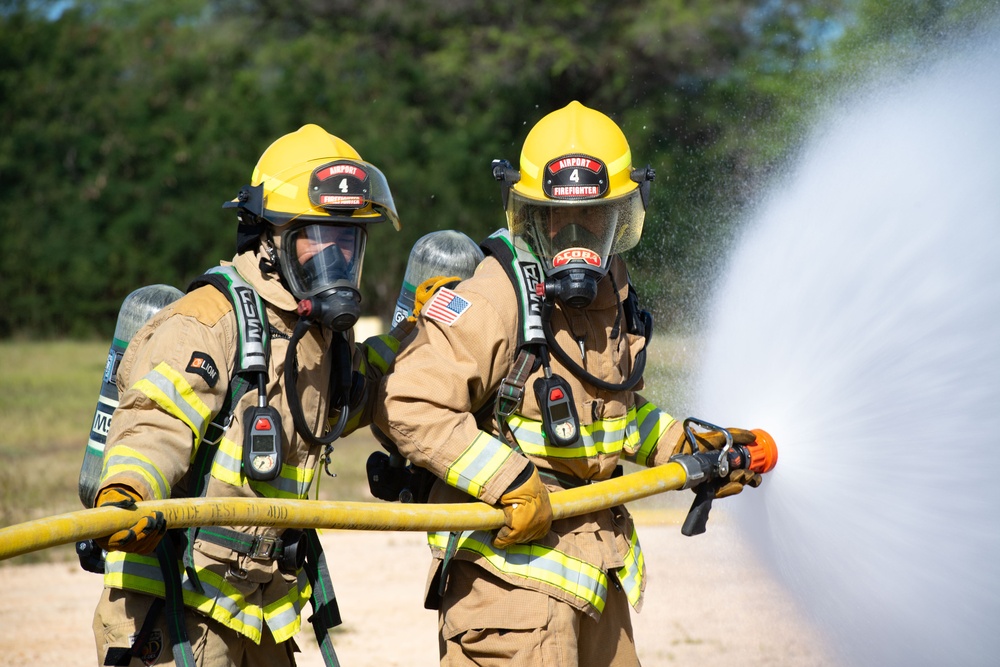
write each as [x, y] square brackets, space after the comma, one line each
[559, 420]
[261, 443]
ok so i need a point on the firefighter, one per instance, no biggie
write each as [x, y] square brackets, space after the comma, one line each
[523, 380]
[236, 390]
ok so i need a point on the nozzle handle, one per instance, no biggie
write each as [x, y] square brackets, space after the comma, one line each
[697, 516]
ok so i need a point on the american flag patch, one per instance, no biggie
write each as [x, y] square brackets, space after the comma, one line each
[445, 306]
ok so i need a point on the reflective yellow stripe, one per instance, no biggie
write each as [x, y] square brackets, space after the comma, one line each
[381, 351]
[123, 459]
[168, 389]
[478, 463]
[536, 562]
[221, 600]
[551, 566]
[631, 574]
[653, 423]
[284, 616]
[606, 436]
[292, 482]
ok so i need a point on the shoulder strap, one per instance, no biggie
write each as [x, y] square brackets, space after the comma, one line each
[252, 348]
[253, 334]
[525, 273]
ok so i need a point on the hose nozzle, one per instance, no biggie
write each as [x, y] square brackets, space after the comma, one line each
[763, 452]
[760, 456]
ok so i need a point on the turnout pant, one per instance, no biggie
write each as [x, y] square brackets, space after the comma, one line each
[120, 616]
[486, 622]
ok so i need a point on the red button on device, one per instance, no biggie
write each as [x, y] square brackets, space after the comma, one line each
[263, 424]
[556, 394]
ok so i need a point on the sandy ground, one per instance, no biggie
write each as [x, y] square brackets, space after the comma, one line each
[708, 603]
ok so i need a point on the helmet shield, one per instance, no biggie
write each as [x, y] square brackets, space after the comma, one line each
[576, 234]
[318, 256]
[353, 188]
[351, 191]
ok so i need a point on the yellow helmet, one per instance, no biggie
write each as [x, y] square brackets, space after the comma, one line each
[316, 196]
[576, 199]
[312, 173]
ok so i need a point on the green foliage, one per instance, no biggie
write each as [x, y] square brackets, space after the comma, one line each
[128, 123]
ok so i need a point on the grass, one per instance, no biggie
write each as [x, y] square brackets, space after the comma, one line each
[49, 390]
[48, 393]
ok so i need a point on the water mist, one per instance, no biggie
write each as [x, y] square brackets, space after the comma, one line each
[859, 323]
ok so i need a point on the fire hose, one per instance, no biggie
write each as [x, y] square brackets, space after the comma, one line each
[682, 472]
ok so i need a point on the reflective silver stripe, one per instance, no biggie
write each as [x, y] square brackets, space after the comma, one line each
[227, 466]
[292, 482]
[121, 458]
[384, 352]
[283, 617]
[478, 463]
[168, 389]
[631, 574]
[288, 484]
[142, 574]
[607, 436]
[653, 423]
[539, 563]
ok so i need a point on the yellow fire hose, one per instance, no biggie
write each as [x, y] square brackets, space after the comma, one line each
[86, 524]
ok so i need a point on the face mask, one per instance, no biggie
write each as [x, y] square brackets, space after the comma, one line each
[338, 307]
[576, 287]
[326, 281]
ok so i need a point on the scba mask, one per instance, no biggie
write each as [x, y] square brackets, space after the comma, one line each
[322, 264]
[575, 200]
[573, 232]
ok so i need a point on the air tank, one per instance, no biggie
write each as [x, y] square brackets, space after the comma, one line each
[136, 309]
[446, 252]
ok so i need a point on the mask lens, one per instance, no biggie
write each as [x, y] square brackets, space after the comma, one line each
[583, 233]
[319, 256]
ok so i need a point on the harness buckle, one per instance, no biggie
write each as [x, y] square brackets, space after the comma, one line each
[264, 548]
[509, 397]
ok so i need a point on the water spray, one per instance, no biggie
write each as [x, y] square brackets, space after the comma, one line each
[874, 265]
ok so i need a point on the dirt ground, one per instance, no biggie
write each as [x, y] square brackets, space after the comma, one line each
[708, 603]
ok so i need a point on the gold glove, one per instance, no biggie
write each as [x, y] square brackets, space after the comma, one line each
[715, 440]
[427, 289]
[143, 536]
[527, 513]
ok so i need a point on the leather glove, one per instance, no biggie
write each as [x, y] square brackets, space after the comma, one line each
[427, 289]
[715, 440]
[143, 536]
[527, 512]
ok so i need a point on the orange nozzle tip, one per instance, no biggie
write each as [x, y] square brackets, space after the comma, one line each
[763, 452]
